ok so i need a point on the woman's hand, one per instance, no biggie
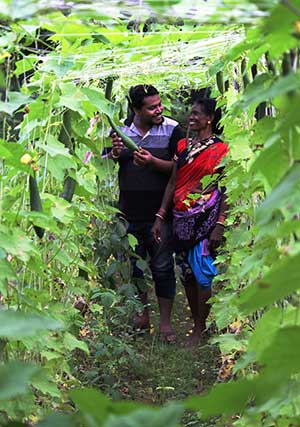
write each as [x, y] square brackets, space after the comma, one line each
[215, 237]
[156, 230]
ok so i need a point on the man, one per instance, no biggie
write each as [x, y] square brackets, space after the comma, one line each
[143, 176]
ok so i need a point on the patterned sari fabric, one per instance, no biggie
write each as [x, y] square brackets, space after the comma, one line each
[196, 214]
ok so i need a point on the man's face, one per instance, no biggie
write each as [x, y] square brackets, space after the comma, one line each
[151, 111]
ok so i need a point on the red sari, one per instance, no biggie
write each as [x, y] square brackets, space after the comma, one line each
[194, 218]
[189, 173]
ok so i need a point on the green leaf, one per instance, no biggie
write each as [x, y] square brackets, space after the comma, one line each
[60, 420]
[17, 324]
[15, 378]
[271, 321]
[108, 299]
[55, 147]
[132, 241]
[15, 100]
[44, 383]
[282, 280]
[273, 162]
[59, 65]
[98, 100]
[169, 416]
[71, 343]
[230, 342]
[264, 88]
[17, 244]
[286, 194]
[223, 399]
[6, 273]
[284, 347]
[25, 64]
[160, 6]
[93, 405]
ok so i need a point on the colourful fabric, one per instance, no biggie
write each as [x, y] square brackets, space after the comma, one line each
[189, 173]
[194, 221]
[202, 264]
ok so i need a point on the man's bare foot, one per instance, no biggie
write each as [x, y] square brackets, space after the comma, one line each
[196, 338]
[193, 340]
[141, 322]
[168, 337]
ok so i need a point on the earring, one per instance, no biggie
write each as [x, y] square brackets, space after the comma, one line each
[208, 122]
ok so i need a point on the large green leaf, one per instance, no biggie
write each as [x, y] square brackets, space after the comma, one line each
[15, 378]
[282, 280]
[93, 404]
[273, 161]
[264, 88]
[16, 243]
[60, 420]
[223, 399]
[17, 324]
[167, 416]
[54, 147]
[285, 347]
[285, 195]
[15, 100]
[71, 343]
[6, 273]
[98, 100]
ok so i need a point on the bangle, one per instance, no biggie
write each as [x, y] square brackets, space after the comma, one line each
[162, 211]
[160, 216]
[221, 223]
[113, 156]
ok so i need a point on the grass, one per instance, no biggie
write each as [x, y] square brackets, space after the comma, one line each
[141, 368]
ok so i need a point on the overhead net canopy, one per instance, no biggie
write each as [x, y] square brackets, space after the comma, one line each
[174, 40]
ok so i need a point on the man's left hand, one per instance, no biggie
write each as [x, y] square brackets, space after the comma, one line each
[142, 157]
[216, 237]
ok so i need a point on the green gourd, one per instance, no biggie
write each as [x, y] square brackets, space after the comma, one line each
[35, 203]
[126, 139]
[220, 82]
[69, 188]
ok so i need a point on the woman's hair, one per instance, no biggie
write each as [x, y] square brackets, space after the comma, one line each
[209, 108]
[138, 93]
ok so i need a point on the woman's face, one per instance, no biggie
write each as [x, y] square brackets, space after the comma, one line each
[198, 120]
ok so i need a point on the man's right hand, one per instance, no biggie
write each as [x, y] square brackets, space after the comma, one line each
[117, 144]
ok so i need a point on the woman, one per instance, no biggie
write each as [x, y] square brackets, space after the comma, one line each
[198, 209]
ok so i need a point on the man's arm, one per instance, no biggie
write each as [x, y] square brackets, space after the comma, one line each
[145, 158]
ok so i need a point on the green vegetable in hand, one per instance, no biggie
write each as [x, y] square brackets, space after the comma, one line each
[126, 139]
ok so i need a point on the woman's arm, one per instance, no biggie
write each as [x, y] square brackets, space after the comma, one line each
[216, 235]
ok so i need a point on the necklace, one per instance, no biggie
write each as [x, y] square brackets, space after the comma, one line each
[195, 146]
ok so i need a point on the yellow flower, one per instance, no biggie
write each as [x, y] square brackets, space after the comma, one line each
[4, 55]
[26, 159]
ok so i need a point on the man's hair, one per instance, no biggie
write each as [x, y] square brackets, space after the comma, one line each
[138, 93]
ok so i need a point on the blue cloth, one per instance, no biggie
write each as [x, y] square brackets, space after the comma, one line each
[202, 265]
